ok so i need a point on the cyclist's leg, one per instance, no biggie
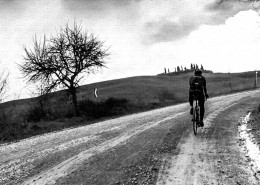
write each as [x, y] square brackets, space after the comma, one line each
[190, 98]
[202, 108]
[191, 101]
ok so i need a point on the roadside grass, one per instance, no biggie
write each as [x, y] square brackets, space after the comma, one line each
[24, 118]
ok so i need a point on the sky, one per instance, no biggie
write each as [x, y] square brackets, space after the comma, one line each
[144, 36]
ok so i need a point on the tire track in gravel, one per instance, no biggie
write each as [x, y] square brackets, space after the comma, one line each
[195, 162]
[23, 159]
[68, 166]
[119, 131]
[188, 167]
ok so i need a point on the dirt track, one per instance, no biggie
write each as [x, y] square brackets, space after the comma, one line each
[147, 148]
[215, 155]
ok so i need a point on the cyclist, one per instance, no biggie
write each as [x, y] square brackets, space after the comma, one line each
[198, 85]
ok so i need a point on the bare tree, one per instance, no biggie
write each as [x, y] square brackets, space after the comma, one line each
[63, 60]
[41, 90]
[3, 84]
[201, 67]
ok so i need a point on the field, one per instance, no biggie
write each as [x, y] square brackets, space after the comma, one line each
[135, 93]
[165, 89]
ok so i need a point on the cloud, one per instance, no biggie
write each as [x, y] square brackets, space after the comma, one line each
[220, 6]
[232, 5]
[11, 8]
[165, 30]
[230, 47]
[103, 13]
[221, 10]
[180, 19]
[96, 7]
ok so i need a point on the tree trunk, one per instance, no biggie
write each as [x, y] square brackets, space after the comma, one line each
[75, 102]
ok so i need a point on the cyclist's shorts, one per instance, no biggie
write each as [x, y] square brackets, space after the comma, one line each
[196, 94]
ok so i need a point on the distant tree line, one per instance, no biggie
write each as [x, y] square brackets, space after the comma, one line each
[180, 69]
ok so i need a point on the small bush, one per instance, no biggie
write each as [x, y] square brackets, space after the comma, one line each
[36, 114]
[166, 95]
[8, 129]
[109, 107]
[88, 108]
[258, 108]
[3, 121]
[114, 106]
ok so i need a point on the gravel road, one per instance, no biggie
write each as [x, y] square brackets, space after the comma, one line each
[155, 147]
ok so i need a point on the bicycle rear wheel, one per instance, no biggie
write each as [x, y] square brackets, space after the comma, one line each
[194, 120]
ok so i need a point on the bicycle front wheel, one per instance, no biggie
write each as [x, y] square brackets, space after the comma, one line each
[194, 120]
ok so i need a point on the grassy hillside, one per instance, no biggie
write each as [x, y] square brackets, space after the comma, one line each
[150, 89]
[141, 93]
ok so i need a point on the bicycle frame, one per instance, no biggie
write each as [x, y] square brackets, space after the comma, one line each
[196, 114]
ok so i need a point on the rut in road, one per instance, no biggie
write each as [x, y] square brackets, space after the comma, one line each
[22, 159]
[195, 163]
[121, 131]
[68, 166]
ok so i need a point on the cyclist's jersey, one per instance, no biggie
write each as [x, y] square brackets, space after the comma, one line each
[197, 83]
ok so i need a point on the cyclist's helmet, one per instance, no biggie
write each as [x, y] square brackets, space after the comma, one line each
[198, 72]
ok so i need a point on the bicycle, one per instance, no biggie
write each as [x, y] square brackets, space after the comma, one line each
[196, 114]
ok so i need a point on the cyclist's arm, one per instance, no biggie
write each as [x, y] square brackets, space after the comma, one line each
[190, 81]
[204, 87]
